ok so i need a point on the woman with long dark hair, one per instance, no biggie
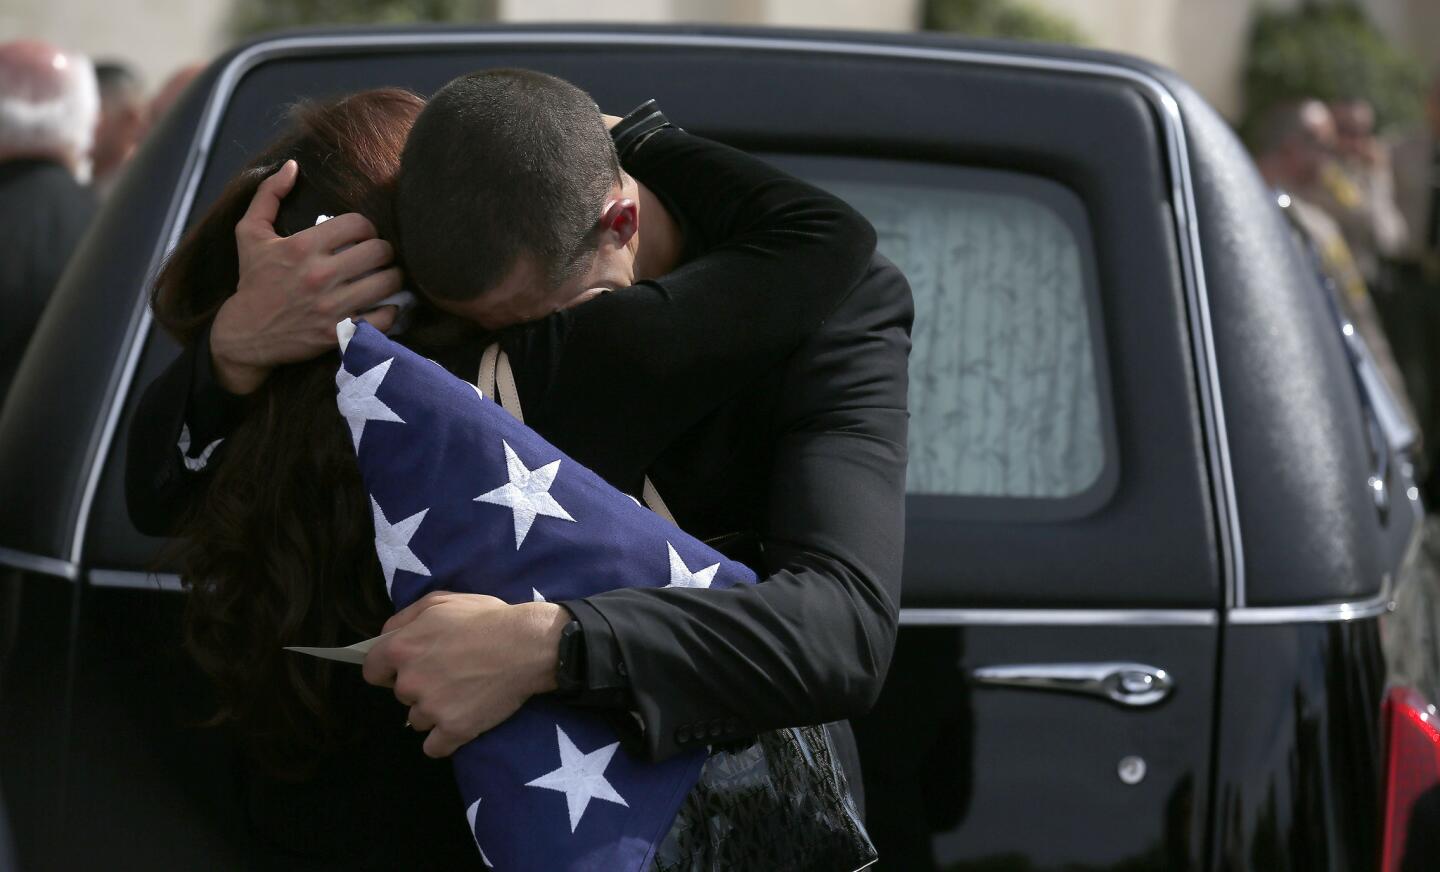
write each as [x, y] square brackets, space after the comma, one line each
[277, 549]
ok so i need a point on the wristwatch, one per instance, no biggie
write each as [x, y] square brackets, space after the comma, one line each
[570, 660]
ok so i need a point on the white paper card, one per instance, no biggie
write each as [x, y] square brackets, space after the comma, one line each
[349, 654]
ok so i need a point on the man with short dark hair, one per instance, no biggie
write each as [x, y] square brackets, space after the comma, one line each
[483, 148]
[472, 231]
[790, 456]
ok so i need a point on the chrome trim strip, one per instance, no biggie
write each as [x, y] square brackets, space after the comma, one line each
[1059, 617]
[1250, 615]
[1183, 205]
[1353, 610]
[133, 580]
[1232, 552]
[39, 563]
[140, 320]
[1313, 614]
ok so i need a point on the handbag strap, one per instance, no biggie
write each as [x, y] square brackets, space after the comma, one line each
[497, 380]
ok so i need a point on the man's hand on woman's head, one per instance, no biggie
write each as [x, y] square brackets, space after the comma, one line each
[465, 662]
[294, 290]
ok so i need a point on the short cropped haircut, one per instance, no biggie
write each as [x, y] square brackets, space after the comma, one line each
[502, 164]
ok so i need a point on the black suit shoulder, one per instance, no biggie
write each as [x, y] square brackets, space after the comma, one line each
[44, 212]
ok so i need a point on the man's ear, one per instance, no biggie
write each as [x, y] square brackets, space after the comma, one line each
[621, 219]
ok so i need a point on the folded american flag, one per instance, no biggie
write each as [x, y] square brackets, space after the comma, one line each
[466, 498]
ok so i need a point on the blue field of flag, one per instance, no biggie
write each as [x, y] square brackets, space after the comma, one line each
[465, 498]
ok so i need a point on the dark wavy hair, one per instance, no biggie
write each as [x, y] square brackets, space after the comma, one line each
[279, 548]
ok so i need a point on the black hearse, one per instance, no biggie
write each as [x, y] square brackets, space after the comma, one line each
[1159, 605]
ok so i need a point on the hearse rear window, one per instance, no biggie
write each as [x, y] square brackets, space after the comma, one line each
[1005, 399]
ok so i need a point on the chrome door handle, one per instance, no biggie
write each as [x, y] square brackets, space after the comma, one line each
[1131, 684]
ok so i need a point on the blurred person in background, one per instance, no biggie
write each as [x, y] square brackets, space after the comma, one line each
[1357, 189]
[124, 117]
[1294, 144]
[49, 102]
[1295, 147]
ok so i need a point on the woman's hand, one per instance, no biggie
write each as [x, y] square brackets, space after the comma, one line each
[293, 290]
[464, 662]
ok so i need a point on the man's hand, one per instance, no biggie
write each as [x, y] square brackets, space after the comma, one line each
[465, 662]
[293, 290]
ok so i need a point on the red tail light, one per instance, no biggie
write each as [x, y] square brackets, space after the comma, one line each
[1412, 768]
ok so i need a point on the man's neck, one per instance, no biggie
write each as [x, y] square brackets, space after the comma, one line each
[661, 243]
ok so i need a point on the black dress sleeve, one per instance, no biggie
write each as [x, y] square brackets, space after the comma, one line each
[812, 641]
[631, 370]
[178, 431]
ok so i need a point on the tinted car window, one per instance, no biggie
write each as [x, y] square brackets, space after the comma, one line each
[1004, 397]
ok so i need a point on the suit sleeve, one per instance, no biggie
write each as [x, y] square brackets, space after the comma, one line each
[773, 256]
[812, 641]
[178, 430]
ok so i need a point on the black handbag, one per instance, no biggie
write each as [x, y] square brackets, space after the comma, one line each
[780, 803]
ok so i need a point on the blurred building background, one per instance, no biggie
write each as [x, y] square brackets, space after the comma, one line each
[1207, 41]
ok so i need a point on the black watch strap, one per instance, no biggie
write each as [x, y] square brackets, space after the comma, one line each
[570, 660]
[642, 123]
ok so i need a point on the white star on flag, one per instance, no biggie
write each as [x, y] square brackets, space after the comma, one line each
[392, 544]
[470, 816]
[527, 494]
[681, 576]
[581, 777]
[357, 400]
[539, 597]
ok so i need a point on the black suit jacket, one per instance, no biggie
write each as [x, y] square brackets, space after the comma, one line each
[43, 213]
[802, 476]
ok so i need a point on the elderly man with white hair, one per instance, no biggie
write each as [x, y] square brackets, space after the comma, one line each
[49, 102]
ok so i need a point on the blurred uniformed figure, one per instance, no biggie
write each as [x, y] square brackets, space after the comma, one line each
[1357, 189]
[1295, 148]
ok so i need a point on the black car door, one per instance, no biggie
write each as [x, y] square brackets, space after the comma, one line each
[1051, 697]
[1050, 702]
